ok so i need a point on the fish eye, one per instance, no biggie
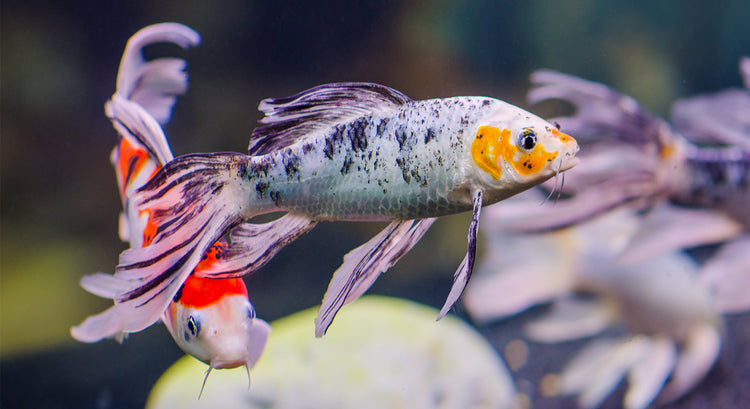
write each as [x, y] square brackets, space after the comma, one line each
[193, 325]
[250, 312]
[528, 139]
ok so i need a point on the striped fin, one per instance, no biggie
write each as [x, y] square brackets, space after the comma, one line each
[288, 119]
[363, 265]
[190, 210]
[253, 245]
[462, 275]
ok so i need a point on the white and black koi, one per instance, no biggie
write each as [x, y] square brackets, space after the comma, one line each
[346, 151]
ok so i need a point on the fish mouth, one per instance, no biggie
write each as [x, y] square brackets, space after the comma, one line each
[568, 163]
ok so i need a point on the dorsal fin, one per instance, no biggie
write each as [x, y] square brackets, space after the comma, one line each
[290, 118]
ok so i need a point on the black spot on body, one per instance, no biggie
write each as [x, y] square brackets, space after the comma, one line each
[261, 188]
[347, 165]
[382, 125]
[291, 165]
[276, 197]
[430, 135]
[328, 150]
[401, 137]
[307, 148]
[357, 135]
[404, 169]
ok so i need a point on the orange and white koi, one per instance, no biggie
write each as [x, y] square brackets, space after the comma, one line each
[344, 151]
[210, 319]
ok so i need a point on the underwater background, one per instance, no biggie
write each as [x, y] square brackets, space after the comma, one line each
[59, 203]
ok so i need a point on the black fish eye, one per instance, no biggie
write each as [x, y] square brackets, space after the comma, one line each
[194, 326]
[528, 139]
[250, 312]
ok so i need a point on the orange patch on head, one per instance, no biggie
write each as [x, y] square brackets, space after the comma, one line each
[491, 143]
[486, 148]
[201, 292]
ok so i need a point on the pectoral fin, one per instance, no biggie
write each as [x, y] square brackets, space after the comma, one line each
[253, 245]
[363, 265]
[462, 275]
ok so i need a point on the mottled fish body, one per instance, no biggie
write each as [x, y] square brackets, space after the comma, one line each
[411, 162]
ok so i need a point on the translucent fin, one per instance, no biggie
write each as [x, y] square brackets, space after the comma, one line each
[191, 210]
[363, 265]
[719, 117]
[570, 319]
[531, 217]
[463, 274]
[745, 71]
[136, 125]
[600, 367]
[105, 285]
[259, 332]
[667, 228]
[495, 295]
[155, 84]
[602, 112]
[321, 107]
[726, 275]
[647, 377]
[253, 245]
[696, 358]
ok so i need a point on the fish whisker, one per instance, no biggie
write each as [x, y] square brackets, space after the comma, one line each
[203, 386]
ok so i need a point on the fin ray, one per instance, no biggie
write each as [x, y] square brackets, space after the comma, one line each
[463, 274]
[287, 119]
[253, 245]
[363, 265]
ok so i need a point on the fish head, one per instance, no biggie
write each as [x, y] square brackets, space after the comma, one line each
[214, 321]
[513, 150]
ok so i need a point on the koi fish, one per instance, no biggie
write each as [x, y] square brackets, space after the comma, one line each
[674, 323]
[343, 151]
[210, 319]
[691, 194]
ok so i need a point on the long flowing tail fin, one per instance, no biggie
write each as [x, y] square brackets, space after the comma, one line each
[190, 203]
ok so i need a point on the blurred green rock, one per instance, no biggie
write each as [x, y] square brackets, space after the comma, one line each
[380, 352]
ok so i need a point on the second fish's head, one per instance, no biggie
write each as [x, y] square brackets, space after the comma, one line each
[514, 150]
[214, 321]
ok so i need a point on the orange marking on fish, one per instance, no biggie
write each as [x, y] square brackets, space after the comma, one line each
[565, 138]
[201, 292]
[130, 162]
[485, 149]
[526, 163]
[149, 231]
